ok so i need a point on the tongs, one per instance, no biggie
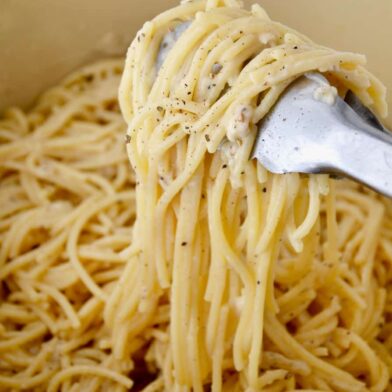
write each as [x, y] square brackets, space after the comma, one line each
[305, 134]
[309, 132]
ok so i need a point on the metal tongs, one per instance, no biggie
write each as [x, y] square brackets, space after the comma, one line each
[308, 135]
[305, 134]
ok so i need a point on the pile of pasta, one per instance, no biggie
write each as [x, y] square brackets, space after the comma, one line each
[191, 268]
[67, 207]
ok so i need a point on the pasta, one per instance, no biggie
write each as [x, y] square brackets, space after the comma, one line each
[271, 280]
[196, 269]
[67, 210]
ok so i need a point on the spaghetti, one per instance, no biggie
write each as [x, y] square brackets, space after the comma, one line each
[200, 270]
[271, 280]
[67, 210]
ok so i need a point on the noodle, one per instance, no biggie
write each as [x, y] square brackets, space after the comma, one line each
[198, 269]
[67, 211]
[250, 262]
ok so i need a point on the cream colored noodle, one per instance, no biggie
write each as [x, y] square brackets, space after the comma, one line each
[67, 207]
[273, 282]
[198, 269]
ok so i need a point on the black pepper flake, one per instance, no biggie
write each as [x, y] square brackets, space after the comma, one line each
[186, 127]
[295, 47]
[203, 196]
[207, 136]
[264, 189]
[159, 108]
[183, 101]
[184, 243]
[189, 93]
[258, 282]
[224, 166]
[127, 139]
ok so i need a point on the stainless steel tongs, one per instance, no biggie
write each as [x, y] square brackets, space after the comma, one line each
[306, 134]
[311, 130]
